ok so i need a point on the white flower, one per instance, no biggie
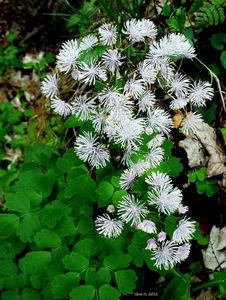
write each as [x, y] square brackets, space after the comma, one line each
[129, 133]
[179, 85]
[111, 228]
[127, 178]
[184, 231]
[137, 30]
[183, 252]
[88, 42]
[159, 120]
[174, 44]
[191, 123]
[161, 236]
[147, 226]
[83, 107]
[66, 59]
[141, 167]
[134, 87]
[155, 156]
[165, 255]
[151, 244]
[75, 74]
[158, 179]
[88, 149]
[167, 199]
[147, 71]
[183, 209]
[112, 59]
[60, 107]
[89, 73]
[200, 92]
[49, 85]
[131, 210]
[156, 141]
[108, 34]
[146, 101]
[178, 103]
[99, 120]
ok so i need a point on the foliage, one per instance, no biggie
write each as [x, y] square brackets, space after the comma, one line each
[204, 185]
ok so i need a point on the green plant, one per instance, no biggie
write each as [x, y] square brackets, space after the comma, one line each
[204, 185]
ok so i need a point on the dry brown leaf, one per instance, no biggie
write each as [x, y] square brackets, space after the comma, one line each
[195, 152]
[213, 258]
[177, 119]
[209, 294]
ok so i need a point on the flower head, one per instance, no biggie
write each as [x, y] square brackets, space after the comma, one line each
[155, 156]
[147, 226]
[147, 71]
[88, 42]
[161, 236]
[69, 53]
[134, 87]
[111, 228]
[167, 199]
[60, 107]
[178, 103]
[112, 59]
[137, 30]
[183, 252]
[158, 179]
[200, 92]
[184, 231]
[131, 210]
[179, 85]
[191, 123]
[151, 244]
[127, 178]
[88, 149]
[108, 34]
[159, 120]
[49, 85]
[89, 73]
[165, 255]
[83, 107]
[146, 102]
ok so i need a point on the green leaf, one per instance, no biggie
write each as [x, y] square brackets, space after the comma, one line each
[29, 293]
[90, 276]
[192, 177]
[72, 121]
[28, 226]
[63, 284]
[75, 262]
[8, 268]
[103, 276]
[223, 58]
[10, 295]
[53, 212]
[172, 166]
[17, 202]
[201, 239]
[47, 239]
[167, 146]
[201, 174]
[218, 40]
[108, 292]
[8, 225]
[125, 280]
[86, 247]
[117, 196]
[83, 292]
[104, 192]
[170, 225]
[82, 186]
[178, 288]
[201, 186]
[117, 261]
[136, 253]
[35, 262]
[85, 225]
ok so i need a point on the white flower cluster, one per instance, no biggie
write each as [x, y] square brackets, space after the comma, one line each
[97, 81]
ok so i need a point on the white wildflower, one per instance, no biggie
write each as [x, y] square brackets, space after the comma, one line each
[112, 59]
[147, 226]
[151, 244]
[99, 120]
[158, 179]
[183, 252]
[183, 209]
[165, 255]
[134, 87]
[88, 42]
[111, 228]
[161, 236]
[155, 156]
[147, 71]
[83, 107]
[127, 178]
[60, 107]
[159, 120]
[200, 92]
[91, 72]
[146, 101]
[88, 149]
[191, 123]
[108, 34]
[184, 231]
[179, 85]
[49, 85]
[167, 199]
[137, 30]
[68, 54]
[131, 210]
[156, 141]
[178, 103]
